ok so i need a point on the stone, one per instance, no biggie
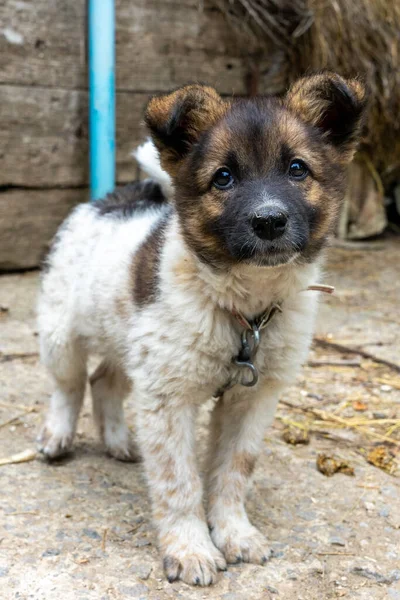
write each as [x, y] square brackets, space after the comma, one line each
[91, 533]
[378, 577]
[384, 511]
[369, 506]
[380, 415]
[386, 388]
[139, 543]
[141, 570]
[272, 590]
[335, 540]
[51, 552]
[135, 591]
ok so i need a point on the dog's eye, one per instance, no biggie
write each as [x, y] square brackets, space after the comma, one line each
[223, 179]
[298, 169]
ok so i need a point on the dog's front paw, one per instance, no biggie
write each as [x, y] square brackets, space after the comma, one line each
[124, 449]
[193, 558]
[54, 444]
[239, 541]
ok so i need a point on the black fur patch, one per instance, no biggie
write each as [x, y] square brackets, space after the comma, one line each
[146, 263]
[132, 199]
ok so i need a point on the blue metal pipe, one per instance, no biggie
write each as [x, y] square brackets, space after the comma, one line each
[101, 97]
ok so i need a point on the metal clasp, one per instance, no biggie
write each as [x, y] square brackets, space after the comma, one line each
[250, 340]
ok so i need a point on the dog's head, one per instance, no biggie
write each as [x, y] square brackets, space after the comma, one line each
[258, 180]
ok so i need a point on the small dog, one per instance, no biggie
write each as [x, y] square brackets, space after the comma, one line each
[204, 294]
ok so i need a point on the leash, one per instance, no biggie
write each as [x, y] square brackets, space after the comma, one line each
[250, 341]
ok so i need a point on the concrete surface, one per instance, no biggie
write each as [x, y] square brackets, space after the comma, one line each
[80, 529]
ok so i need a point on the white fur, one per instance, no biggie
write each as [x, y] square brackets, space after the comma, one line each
[177, 353]
[147, 156]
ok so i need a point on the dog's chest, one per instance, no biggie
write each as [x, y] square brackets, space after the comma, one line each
[194, 352]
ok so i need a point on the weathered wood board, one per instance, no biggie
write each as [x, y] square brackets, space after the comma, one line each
[160, 44]
[44, 135]
[28, 221]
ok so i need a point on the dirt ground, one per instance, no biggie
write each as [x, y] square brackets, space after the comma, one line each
[80, 529]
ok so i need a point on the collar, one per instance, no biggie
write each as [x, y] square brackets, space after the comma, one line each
[262, 320]
[250, 340]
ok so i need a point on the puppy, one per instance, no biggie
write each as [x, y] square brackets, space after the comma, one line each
[200, 296]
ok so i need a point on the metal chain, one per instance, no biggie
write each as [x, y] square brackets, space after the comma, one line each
[250, 342]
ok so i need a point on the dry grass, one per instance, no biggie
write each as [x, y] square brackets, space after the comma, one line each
[364, 416]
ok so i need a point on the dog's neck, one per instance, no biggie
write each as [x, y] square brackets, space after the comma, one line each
[247, 288]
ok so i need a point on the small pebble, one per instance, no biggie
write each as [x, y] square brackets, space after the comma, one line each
[316, 566]
[386, 388]
[51, 552]
[379, 415]
[139, 543]
[384, 511]
[272, 590]
[337, 541]
[379, 577]
[135, 591]
[370, 506]
[315, 397]
[142, 571]
[92, 534]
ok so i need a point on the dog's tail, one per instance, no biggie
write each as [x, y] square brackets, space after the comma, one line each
[147, 157]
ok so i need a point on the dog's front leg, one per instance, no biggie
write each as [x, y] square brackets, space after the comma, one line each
[238, 425]
[166, 437]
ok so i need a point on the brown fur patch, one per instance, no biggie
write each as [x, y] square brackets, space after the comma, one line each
[101, 371]
[122, 306]
[145, 266]
[331, 103]
[177, 120]
[169, 468]
[244, 464]
[144, 352]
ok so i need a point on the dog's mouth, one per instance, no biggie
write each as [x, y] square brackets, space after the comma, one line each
[275, 258]
[270, 255]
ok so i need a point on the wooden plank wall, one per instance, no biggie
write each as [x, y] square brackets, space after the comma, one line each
[161, 44]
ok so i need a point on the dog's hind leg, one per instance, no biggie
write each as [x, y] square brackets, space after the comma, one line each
[65, 358]
[109, 388]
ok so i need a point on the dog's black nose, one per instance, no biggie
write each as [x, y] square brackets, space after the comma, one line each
[270, 225]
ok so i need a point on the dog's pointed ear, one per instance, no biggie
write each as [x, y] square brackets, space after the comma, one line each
[332, 104]
[177, 120]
